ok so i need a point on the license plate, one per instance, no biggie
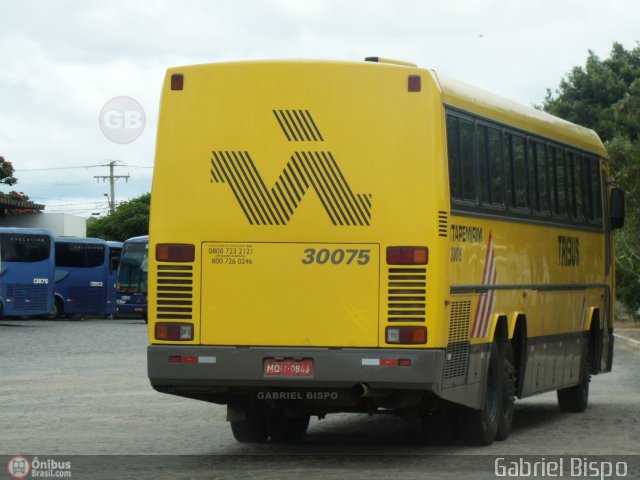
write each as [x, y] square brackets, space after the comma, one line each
[288, 367]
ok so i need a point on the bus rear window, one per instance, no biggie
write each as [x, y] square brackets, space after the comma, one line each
[21, 248]
[79, 255]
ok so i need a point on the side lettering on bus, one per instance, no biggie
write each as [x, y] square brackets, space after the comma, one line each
[466, 234]
[96, 284]
[41, 281]
[317, 170]
[568, 251]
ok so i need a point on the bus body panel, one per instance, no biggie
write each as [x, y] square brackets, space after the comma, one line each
[84, 279]
[276, 166]
[300, 169]
[306, 290]
[26, 271]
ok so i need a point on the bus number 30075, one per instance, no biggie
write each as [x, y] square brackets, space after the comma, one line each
[336, 257]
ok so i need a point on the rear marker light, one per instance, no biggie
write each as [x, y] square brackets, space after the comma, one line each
[167, 252]
[407, 255]
[177, 81]
[191, 359]
[407, 335]
[174, 331]
[386, 362]
[414, 83]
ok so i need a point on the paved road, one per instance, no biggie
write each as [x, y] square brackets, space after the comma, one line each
[78, 390]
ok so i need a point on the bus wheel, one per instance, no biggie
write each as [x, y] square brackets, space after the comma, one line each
[57, 310]
[283, 429]
[576, 398]
[479, 427]
[252, 429]
[508, 390]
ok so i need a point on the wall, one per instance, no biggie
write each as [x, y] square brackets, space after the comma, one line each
[58, 223]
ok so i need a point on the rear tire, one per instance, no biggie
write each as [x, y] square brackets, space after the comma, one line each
[479, 427]
[283, 429]
[253, 429]
[508, 391]
[57, 310]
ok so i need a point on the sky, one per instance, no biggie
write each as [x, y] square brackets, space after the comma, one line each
[63, 62]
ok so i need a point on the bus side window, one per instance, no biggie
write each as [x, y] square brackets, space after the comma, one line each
[455, 170]
[596, 190]
[559, 181]
[574, 190]
[467, 157]
[507, 156]
[520, 172]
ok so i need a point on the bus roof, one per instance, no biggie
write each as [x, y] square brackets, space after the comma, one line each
[86, 241]
[26, 231]
[140, 239]
[475, 100]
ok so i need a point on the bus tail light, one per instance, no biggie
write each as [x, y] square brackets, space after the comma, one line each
[174, 331]
[414, 83]
[407, 255]
[177, 81]
[407, 335]
[166, 252]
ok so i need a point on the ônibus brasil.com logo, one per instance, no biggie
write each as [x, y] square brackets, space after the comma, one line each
[20, 467]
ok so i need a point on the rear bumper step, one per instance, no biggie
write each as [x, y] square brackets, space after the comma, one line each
[219, 366]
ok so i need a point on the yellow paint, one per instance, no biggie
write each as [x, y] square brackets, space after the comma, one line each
[390, 145]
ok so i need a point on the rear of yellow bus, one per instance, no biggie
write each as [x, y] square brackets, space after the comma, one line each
[298, 250]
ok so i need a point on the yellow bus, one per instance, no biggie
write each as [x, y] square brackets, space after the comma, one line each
[373, 237]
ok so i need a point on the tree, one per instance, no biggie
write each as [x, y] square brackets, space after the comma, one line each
[6, 172]
[129, 219]
[605, 96]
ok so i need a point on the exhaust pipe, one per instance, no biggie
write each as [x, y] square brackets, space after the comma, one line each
[362, 390]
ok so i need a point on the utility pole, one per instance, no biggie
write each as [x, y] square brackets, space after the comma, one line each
[112, 180]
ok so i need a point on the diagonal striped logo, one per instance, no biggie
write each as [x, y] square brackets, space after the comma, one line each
[486, 303]
[306, 170]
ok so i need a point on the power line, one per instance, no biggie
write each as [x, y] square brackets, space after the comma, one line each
[56, 168]
[136, 166]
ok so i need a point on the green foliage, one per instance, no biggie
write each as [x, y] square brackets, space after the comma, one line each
[6, 172]
[605, 96]
[129, 219]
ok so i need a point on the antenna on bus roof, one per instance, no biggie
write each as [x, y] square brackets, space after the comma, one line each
[390, 61]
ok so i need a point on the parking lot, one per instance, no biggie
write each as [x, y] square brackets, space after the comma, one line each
[79, 388]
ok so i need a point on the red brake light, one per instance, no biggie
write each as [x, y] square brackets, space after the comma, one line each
[407, 255]
[174, 331]
[407, 335]
[166, 252]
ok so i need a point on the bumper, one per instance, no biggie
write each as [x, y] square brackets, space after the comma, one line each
[219, 366]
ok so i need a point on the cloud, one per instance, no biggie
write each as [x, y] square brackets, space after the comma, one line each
[62, 61]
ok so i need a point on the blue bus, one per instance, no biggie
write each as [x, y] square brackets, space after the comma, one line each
[131, 281]
[26, 271]
[85, 276]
